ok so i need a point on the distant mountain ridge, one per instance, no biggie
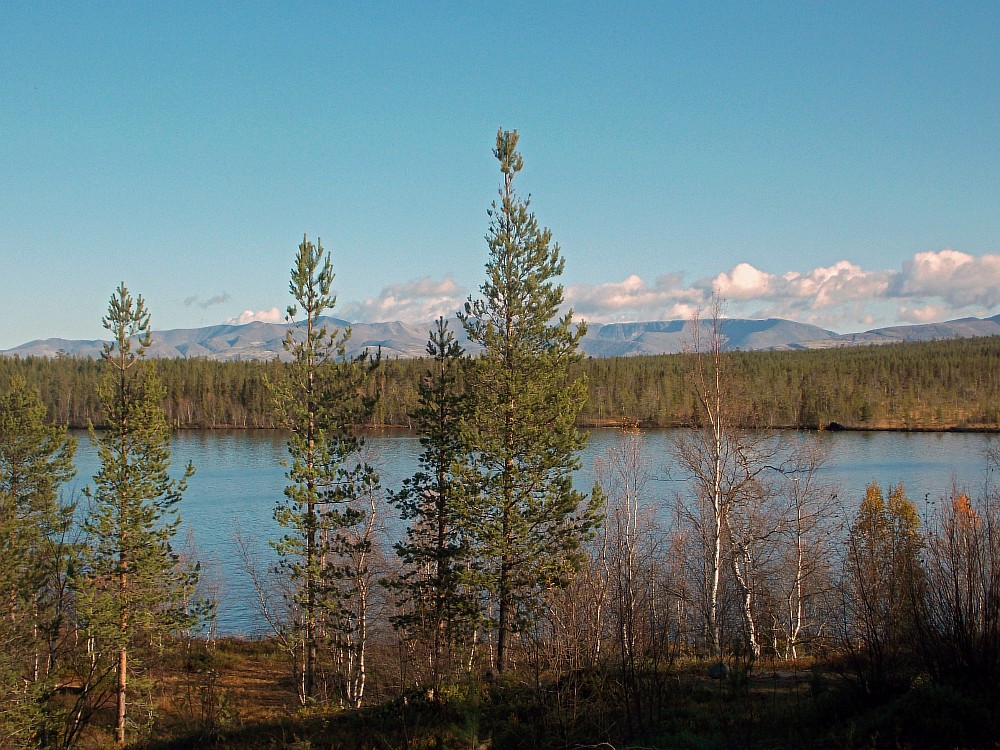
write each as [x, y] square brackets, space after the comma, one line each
[263, 341]
[962, 328]
[670, 337]
[249, 341]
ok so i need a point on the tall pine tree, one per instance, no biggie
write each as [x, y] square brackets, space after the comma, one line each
[320, 403]
[435, 552]
[35, 460]
[135, 586]
[528, 520]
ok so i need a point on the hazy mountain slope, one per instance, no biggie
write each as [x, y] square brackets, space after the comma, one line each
[55, 347]
[264, 340]
[255, 340]
[953, 329]
[669, 337]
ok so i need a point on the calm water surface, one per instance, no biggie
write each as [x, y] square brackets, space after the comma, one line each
[239, 478]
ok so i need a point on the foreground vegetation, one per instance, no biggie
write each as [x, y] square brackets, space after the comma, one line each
[874, 628]
[756, 609]
[936, 385]
[233, 694]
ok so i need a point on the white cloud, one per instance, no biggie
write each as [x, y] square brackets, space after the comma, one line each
[415, 301]
[274, 315]
[634, 299]
[743, 282]
[931, 286]
[925, 314]
[828, 287]
[960, 279]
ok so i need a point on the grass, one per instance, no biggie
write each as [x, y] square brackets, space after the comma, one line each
[237, 694]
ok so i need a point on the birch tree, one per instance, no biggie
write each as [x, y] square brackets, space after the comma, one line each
[959, 622]
[726, 462]
[883, 571]
[806, 576]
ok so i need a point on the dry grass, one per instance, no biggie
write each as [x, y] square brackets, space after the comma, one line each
[236, 694]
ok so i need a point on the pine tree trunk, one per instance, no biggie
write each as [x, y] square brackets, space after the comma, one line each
[120, 693]
[503, 616]
[122, 651]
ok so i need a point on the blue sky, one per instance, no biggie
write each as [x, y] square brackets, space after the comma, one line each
[835, 163]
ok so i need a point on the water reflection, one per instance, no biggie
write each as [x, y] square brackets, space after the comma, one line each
[239, 478]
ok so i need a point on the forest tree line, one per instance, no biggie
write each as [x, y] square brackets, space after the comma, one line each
[914, 385]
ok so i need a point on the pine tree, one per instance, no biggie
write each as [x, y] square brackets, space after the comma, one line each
[435, 553]
[319, 403]
[529, 522]
[134, 586]
[35, 460]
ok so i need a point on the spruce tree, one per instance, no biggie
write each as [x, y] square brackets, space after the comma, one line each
[134, 585]
[35, 460]
[528, 520]
[320, 403]
[434, 587]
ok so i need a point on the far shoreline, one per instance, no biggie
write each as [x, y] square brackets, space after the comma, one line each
[610, 425]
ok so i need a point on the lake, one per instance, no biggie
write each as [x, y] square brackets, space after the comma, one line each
[239, 477]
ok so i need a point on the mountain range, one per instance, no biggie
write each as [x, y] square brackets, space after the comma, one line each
[261, 341]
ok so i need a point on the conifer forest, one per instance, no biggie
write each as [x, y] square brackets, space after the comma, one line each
[761, 609]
